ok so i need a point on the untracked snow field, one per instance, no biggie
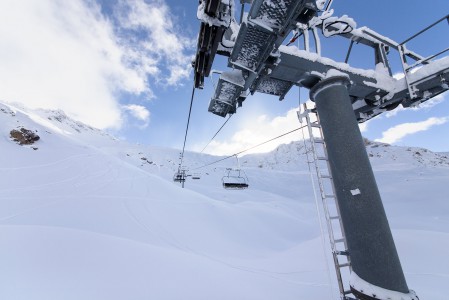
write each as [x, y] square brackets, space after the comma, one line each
[85, 216]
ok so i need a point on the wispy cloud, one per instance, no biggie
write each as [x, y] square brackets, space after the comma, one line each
[67, 55]
[257, 131]
[139, 112]
[161, 38]
[398, 132]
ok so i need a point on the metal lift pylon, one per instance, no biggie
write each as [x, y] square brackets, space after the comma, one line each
[261, 63]
[376, 272]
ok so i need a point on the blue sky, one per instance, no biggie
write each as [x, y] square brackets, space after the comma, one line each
[123, 66]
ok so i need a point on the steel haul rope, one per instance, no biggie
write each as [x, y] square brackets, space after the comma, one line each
[216, 133]
[187, 127]
[258, 145]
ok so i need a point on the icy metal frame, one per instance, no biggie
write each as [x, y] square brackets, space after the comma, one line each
[268, 67]
[422, 61]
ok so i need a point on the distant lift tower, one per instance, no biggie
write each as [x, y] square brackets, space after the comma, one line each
[344, 96]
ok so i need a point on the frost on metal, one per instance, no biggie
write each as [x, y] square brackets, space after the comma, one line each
[273, 86]
[233, 76]
[250, 50]
[224, 19]
[256, 46]
[229, 88]
[227, 91]
[320, 4]
[431, 68]
[249, 56]
[383, 81]
[272, 13]
[416, 75]
[338, 25]
[334, 72]
[219, 108]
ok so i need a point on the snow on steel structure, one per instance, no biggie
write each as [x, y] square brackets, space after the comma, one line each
[261, 63]
[344, 96]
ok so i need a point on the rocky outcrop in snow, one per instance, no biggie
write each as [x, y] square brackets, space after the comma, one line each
[24, 136]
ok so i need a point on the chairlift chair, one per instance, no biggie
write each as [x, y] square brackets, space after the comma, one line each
[180, 176]
[235, 179]
[196, 176]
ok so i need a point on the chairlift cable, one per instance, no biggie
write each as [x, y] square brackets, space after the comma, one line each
[216, 133]
[258, 145]
[188, 122]
[291, 131]
[328, 6]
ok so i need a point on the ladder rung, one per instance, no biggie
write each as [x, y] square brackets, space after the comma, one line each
[322, 171]
[321, 157]
[329, 196]
[334, 217]
[339, 240]
[326, 176]
[318, 141]
[347, 292]
[344, 265]
[316, 125]
[344, 253]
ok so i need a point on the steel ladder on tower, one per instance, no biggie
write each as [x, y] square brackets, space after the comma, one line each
[328, 196]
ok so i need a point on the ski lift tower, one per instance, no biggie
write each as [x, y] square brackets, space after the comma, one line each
[344, 96]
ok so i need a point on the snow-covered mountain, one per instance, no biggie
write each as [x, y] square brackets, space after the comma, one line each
[86, 216]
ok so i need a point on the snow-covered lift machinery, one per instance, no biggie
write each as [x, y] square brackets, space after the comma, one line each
[344, 96]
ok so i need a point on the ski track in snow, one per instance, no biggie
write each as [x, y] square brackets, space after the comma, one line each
[87, 197]
[144, 220]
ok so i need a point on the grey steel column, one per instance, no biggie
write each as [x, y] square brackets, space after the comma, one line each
[371, 247]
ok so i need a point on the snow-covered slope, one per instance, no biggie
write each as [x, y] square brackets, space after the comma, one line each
[86, 216]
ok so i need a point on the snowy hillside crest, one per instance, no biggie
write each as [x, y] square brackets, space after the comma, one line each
[285, 157]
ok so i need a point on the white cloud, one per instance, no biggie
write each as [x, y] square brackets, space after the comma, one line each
[162, 39]
[139, 112]
[363, 126]
[66, 55]
[398, 132]
[259, 130]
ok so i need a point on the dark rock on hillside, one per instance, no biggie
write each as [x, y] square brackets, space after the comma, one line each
[7, 111]
[24, 136]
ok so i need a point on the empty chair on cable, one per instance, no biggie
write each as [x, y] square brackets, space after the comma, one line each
[235, 179]
[196, 176]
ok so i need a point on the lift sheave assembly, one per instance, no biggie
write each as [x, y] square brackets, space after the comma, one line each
[260, 59]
